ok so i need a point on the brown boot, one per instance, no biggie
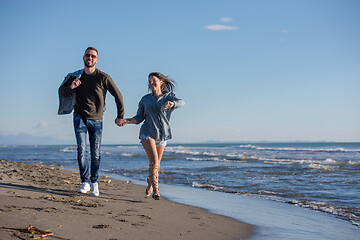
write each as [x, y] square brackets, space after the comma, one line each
[149, 188]
[155, 180]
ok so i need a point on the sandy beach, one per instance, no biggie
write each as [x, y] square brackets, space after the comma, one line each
[40, 201]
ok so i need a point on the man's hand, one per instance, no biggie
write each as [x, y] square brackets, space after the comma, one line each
[120, 122]
[75, 83]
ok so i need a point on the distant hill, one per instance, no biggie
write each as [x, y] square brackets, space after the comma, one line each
[28, 139]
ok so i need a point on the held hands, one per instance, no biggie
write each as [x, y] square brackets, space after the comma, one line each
[120, 122]
[75, 83]
[169, 104]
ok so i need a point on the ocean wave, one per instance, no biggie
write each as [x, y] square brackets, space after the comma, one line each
[227, 156]
[132, 155]
[347, 213]
[331, 165]
[264, 192]
[353, 164]
[183, 151]
[113, 170]
[129, 147]
[69, 149]
[286, 161]
[344, 213]
[74, 149]
[212, 159]
[207, 155]
[334, 163]
[299, 149]
[323, 167]
[210, 187]
[327, 165]
[207, 151]
[129, 154]
[329, 161]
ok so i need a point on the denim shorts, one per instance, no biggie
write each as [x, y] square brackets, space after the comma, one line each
[157, 142]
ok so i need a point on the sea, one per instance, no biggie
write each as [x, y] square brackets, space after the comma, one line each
[319, 177]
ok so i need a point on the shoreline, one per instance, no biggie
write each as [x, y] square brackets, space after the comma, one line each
[271, 220]
[45, 197]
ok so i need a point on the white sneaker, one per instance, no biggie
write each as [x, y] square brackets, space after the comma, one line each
[95, 189]
[85, 187]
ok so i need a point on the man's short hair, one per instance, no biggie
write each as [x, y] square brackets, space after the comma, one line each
[92, 48]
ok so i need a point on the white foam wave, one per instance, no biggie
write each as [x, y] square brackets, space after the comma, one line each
[212, 159]
[209, 153]
[127, 154]
[288, 161]
[264, 192]
[183, 151]
[355, 164]
[300, 149]
[325, 207]
[323, 167]
[69, 149]
[129, 147]
[329, 162]
[207, 186]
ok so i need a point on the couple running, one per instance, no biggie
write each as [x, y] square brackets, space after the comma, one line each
[84, 92]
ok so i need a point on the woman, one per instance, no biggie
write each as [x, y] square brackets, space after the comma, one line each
[156, 108]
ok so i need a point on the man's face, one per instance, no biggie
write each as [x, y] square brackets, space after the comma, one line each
[90, 58]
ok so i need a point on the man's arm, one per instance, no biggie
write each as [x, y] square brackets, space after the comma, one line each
[65, 89]
[111, 87]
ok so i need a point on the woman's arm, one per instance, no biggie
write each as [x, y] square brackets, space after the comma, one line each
[131, 121]
[140, 114]
[177, 101]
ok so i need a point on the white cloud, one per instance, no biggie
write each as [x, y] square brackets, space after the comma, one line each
[42, 124]
[284, 31]
[218, 27]
[226, 19]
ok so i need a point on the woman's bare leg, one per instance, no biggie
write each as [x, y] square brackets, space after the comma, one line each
[160, 151]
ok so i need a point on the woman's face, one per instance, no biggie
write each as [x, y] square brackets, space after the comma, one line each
[155, 83]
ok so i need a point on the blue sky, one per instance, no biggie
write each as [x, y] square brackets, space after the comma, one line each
[255, 70]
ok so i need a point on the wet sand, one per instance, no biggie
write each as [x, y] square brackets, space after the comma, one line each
[40, 201]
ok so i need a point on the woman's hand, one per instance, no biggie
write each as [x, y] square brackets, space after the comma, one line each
[169, 104]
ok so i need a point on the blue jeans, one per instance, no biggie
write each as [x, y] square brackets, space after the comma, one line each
[82, 126]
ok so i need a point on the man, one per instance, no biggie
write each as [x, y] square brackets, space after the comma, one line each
[84, 92]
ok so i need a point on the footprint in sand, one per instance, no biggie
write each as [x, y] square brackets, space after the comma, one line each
[101, 226]
[144, 216]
